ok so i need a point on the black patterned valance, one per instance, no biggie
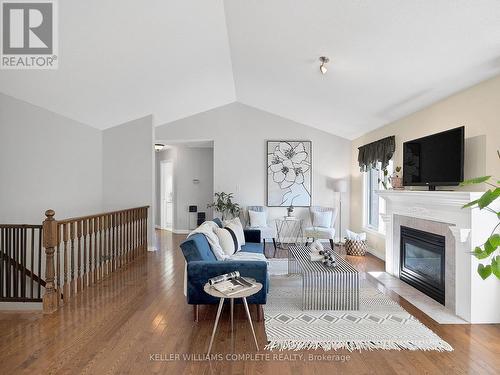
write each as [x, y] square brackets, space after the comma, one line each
[378, 151]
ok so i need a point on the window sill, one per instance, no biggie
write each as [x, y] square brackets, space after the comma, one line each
[373, 232]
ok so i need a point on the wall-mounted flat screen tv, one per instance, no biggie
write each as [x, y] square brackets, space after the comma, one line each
[435, 160]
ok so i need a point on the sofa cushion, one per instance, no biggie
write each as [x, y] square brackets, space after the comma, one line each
[227, 240]
[196, 247]
[252, 247]
[236, 226]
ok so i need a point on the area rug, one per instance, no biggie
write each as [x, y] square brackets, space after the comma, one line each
[380, 323]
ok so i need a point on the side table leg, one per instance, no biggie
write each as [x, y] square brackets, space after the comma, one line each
[250, 321]
[232, 312]
[219, 310]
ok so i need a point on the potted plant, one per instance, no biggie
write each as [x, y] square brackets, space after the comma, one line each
[224, 205]
[489, 250]
[384, 179]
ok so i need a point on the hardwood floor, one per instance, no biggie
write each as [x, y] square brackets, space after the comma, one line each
[137, 321]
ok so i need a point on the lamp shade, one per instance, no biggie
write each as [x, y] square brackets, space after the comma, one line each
[340, 186]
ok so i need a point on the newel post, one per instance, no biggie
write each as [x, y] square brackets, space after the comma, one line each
[49, 243]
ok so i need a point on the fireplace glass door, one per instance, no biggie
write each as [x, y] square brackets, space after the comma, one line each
[423, 261]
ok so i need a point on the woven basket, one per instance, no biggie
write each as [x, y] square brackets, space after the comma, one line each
[356, 248]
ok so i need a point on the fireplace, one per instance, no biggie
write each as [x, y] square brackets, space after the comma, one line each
[422, 262]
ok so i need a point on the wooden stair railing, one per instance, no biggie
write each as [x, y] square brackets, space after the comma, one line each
[91, 248]
[20, 263]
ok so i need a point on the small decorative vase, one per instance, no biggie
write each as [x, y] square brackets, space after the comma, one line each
[397, 182]
[290, 211]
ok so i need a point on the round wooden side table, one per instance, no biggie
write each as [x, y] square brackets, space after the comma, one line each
[243, 295]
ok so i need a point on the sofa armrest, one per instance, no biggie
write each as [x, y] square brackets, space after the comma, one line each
[252, 235]
[198, 273]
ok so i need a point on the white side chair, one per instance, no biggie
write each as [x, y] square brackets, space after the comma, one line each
[321, 233]
[267, 232]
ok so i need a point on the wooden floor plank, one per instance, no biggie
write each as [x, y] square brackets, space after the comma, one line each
[139, 311]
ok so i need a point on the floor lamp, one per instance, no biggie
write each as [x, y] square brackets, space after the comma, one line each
[340, 187]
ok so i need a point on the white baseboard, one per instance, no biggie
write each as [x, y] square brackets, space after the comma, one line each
[21, 306]
[181, 231]
[376, 253]
[152, 248]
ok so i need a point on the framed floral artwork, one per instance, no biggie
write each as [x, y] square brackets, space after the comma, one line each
[289, 173]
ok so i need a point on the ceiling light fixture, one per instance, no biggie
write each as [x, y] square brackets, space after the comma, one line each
[159, 147]
[324, 60]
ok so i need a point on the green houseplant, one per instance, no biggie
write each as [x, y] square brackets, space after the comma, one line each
[224, 205]
[489, 251]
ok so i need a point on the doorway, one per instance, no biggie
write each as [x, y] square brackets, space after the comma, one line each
[166, 194]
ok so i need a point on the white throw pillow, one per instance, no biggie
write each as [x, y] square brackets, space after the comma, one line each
[257, 219]
[322, 219]
[350, 235]
[227, 240]
[236, 226]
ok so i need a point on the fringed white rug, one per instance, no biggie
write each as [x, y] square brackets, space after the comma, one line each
[380, 323]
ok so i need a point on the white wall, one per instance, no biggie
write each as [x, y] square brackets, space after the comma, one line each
[128, 169]
[477, 108]
[188, 163]
[46, 161]
[240, 133]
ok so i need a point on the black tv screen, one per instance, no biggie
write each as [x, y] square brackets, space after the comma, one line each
[434, 160]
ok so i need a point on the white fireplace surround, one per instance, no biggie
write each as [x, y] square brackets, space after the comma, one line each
[467, 295]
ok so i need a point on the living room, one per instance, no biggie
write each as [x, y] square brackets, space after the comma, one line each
[256, 187]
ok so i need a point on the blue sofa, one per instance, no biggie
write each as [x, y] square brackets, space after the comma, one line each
[202, 265]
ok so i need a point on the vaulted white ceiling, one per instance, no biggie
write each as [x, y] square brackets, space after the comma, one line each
[389, 57]
[122, 60]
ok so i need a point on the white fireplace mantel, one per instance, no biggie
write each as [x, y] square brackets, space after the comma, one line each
[469, 227]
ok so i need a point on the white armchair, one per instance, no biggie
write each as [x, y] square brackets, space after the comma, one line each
[267, 231]
[320, 230]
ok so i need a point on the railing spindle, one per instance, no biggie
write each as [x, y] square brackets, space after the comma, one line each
[101, 226]
[66, 286]
[85, 234]
[2, 260]
[96, 248]
[40, 262]
[9, 256]
[129, 239]
[23, 263]
[14, 273]
[108, 248]
[58, 265]
[91, 231]
[32, 259]
[72, 241]
[114, 241]
[79, 260]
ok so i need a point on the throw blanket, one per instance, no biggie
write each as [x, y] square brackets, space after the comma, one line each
[207, 229]
[242, 255]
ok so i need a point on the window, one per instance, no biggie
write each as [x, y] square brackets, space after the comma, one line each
[372, 203]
